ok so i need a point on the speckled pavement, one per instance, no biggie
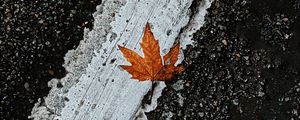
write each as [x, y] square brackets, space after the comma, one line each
[34, 37]
[244, 64]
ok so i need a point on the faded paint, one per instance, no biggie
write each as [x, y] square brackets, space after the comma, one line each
[96, 87]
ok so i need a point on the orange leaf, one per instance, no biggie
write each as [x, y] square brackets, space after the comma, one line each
[151, 67]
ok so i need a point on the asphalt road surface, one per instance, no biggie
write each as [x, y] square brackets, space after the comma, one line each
[244, 64]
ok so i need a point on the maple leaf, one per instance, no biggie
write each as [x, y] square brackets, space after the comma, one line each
[151, 67]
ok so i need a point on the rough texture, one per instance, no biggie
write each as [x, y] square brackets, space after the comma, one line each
[35, 35]
[95, 87]
[244, 65]
[76, 61]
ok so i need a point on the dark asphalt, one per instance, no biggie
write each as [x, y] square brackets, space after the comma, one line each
[245, 65]
[34, 37]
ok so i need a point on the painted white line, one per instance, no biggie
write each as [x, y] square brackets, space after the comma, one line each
[95, 87]
[195, 23]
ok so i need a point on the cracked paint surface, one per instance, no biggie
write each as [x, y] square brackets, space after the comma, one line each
[95, 87]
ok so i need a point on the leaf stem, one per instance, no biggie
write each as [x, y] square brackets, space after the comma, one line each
[152, 90]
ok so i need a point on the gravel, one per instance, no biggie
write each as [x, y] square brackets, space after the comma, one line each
[34, 37]
[244, 65]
